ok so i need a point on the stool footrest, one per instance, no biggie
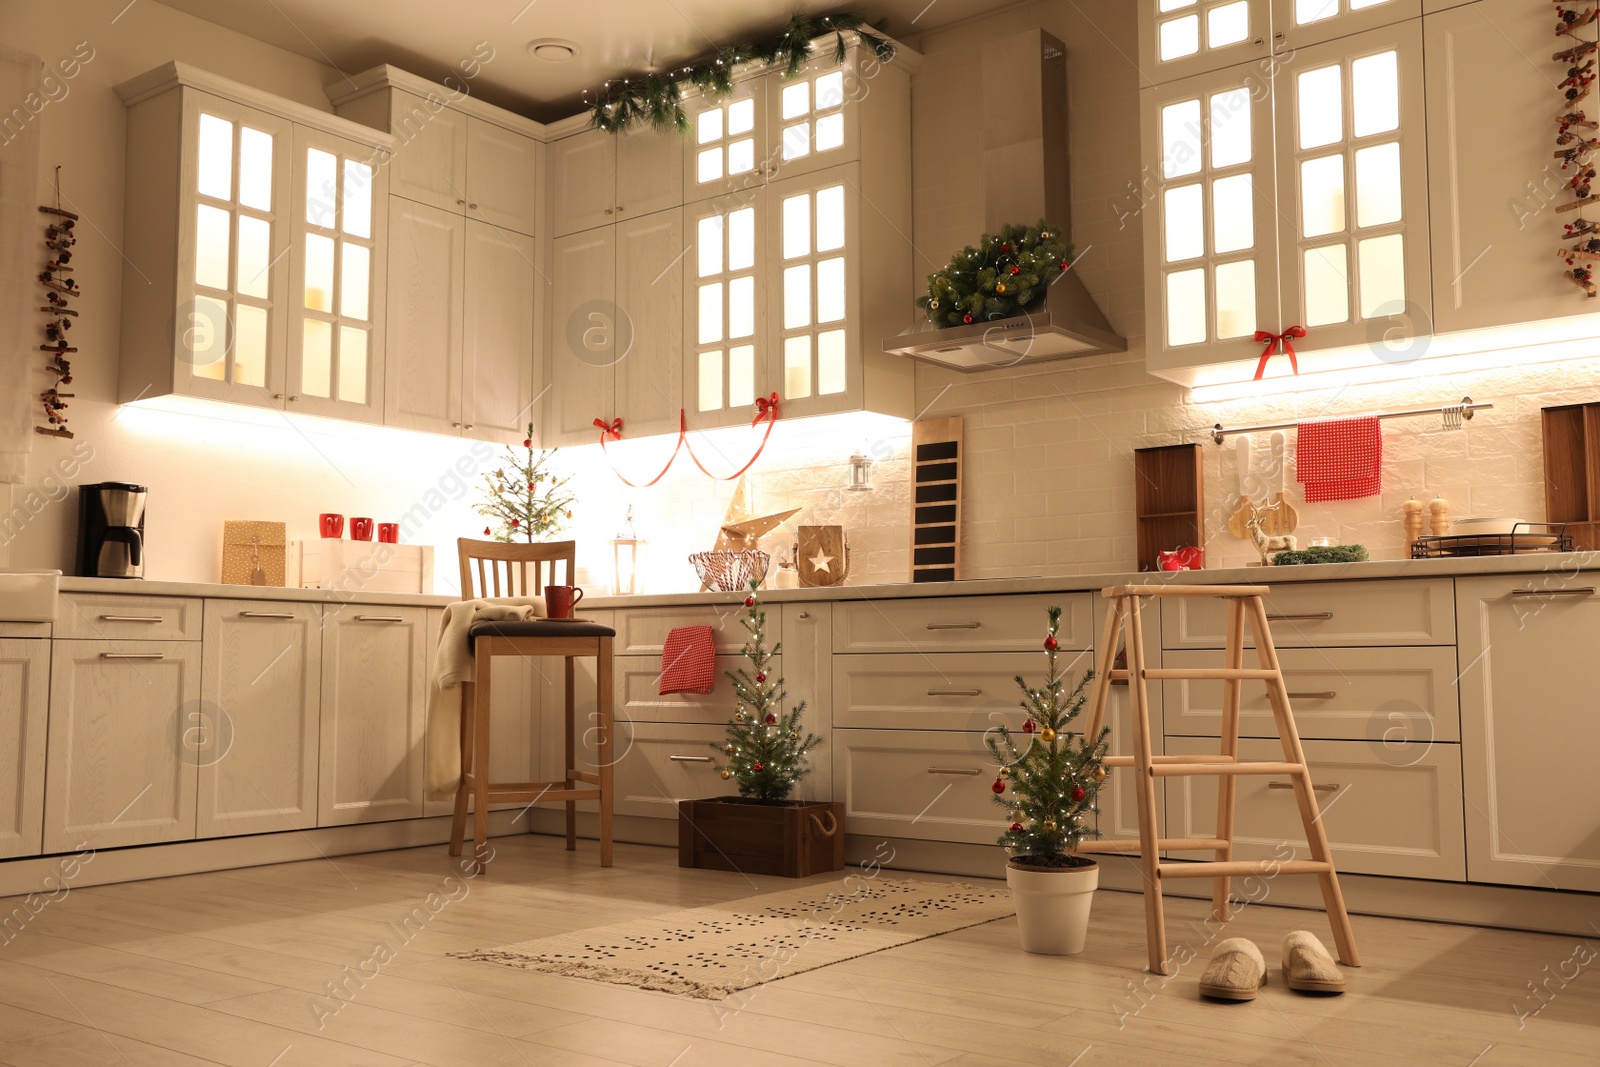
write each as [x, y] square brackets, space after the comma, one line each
[1189, 768]
[585, 776]
[1133, 845]
[528, 796]
[1241, 868]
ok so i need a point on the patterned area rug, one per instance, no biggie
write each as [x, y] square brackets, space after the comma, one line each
[717, 951]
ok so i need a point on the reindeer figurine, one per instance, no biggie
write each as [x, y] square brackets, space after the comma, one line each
[1267, 544]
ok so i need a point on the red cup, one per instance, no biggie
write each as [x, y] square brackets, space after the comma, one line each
[559, 600]
[332, 525]
[389, 533]
[360, 529]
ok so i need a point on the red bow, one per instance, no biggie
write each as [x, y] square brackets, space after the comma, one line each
[614, 428]
[766, 408]
[1272, 341]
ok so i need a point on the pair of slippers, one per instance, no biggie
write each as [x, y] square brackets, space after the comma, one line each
[1237, 970]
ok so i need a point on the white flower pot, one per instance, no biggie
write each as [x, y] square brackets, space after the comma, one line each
[1053, 906]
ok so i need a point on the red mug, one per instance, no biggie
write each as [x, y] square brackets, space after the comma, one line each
[360, 529]
[560, 600]
[332, 525]
[1188, 558]
[389, 533]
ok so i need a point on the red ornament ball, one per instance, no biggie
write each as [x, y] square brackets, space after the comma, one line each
[1065, 264]
[487, 531]
[966, 318]
[527, 442]
[761, 677]
[1016, 828]
[1006, 248]
[1078, 794]
[515, 523]
[756, 766]
[1051, 644]
[749, 601]
[771, 718]
[999, 786]
[1016, 269]
[1028, 726]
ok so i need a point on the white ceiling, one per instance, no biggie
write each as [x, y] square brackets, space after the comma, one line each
[616, 37]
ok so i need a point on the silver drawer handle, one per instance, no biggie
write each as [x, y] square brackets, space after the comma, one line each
[971, 771]
[1587, 590]
[133, 655]
[690, 759]
[380, 618]
[955, 692]
[1306, 616]
[1325, 787]
[1326, 694]
[953, 625]
[132, 618]
[266, 615]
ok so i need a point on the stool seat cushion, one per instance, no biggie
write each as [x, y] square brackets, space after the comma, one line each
[539, 628]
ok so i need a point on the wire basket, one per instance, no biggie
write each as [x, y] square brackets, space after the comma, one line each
[1525, 538]
[731, 571]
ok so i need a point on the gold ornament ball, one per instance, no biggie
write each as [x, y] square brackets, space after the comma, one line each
[1003, 772]
[1099, 774]
[1000, 287]
[794, 735]
[726, 774]
[1047, 735]
[1048, 826]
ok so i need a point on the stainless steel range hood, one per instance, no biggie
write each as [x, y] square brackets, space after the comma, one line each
[1025, 178]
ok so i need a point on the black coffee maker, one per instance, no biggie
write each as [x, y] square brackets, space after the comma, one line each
[111, 530]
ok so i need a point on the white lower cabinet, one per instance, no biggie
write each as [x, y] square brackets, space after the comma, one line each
[1389, 613]
[1529, 730]
[639, 697]
[921, 784]
[254, 737]
[119, 770]
[374, 698]
[24, 711]
[956, 691]
[659, 764]
[1388, 809]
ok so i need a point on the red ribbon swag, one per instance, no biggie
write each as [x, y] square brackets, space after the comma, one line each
[766, 408]
[1272, 341]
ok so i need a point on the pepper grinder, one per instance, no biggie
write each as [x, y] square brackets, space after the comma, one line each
[1439, 515]
[1413, 521]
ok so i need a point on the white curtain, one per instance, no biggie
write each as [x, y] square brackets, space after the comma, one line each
[21, 248]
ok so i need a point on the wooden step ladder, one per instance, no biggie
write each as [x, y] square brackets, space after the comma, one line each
[1244, 604]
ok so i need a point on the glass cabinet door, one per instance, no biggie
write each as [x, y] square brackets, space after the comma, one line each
[725, 340]
[726, 142]
[1352, 190]
[1298, 23]
[230, 321]
[1210, 231]
[1182, 38]
[814, 289]
[340, 210]
[811, 118]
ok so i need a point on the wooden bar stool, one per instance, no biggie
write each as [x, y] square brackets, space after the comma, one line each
[1244, 604]
[535, 637]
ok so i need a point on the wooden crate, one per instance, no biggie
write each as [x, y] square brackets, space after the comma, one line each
[360, 566]
[790, 839]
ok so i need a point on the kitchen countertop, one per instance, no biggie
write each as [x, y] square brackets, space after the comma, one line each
[1565, 563]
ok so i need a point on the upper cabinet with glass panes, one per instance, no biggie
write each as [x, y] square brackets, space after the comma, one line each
[231, 222]
[1182, 38]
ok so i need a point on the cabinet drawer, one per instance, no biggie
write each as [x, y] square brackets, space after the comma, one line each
[115, 617]
[1392, 811]
[1323, 614]
[639, 684]
[965, 691]
[1382, 695]
[960, 624]
[916, 784]
[644, 631]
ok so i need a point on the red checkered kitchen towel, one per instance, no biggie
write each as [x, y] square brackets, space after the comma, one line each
[689, 661]
[1339, 459]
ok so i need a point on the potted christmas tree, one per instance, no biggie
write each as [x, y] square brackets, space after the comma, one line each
[762, 831]
[1048, 779]
[526, 501]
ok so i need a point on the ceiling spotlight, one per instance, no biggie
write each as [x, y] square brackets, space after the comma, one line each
[553, 49]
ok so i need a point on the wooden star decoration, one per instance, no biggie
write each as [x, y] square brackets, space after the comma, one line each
[821, 561]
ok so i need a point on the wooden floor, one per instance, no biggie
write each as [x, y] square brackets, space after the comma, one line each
[310, 963]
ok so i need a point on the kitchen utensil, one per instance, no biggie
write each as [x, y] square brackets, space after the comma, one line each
[389, 533]
[1413, 520]
[1245, 509]
[1284, 518]
[1188, 558]
[559, 600]
[1439, 515]
[332, 525]
[360, 529]
[1486, 525]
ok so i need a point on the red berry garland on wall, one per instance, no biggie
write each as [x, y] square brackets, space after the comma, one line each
[1576, 142]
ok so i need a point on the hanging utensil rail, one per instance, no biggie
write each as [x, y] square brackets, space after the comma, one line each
[1451, 412]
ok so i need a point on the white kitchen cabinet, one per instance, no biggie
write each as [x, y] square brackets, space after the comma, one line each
[643, 631]
[639, 697]
[503, 189]
[1182, 38]
[649, 172]
[963, 623]
[1492, 183]
[615, 328]
[120, 768]
[1528, 683]
[254, 735]
[430, 159]
[24, 708]
[583, 181]
[815, 118]
[727, 359]
[1297, 24]
[374, 700]
[808, 677]
[960, 691]
[659, 764]
[729, 150]
[1386, 613]
[922, 784]
[499, 362]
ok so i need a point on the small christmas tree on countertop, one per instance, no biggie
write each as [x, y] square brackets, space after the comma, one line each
[765, 750]
[1051, 774]
[525, 499]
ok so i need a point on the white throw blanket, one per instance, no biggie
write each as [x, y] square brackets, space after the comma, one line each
[21, 252]
[453, 663]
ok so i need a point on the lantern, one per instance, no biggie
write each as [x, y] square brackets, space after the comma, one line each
[860, 474]
[625, 559]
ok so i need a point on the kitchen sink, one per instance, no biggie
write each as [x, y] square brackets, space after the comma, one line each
[28, 596]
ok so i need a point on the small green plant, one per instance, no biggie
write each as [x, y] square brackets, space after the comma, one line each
[1321, 554]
